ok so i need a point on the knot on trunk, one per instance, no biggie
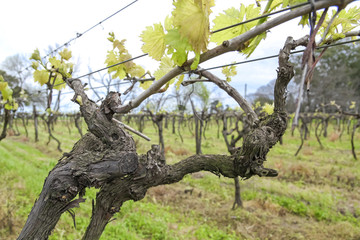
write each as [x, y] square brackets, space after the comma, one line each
[112, 165]
[111, 101]
[250, 158]
[154, 159]
[137, 193]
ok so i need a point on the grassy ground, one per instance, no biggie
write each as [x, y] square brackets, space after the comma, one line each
[315, 196]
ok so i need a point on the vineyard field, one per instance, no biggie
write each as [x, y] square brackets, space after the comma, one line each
[315, 196]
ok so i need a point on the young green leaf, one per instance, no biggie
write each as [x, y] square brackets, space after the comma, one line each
[345, 21]
[111, 59]
[120, 72]
[3, 85]
[179, 81]
[169, 23]
[179, 44]
[253, 44]
[192, 20]
[304, 21]
[35, 65]
[11, 105]
[112, 36]
[65, 54]
[165, 66]
[7, 94]
[41, 76]
[154, 42]
[36, 55]
[233, 16]
[136, 71]
[352, 105]
[59, 82]
[8, 106]
[119, 54]
[285, 3]
[55, 63]
[120, 45]
[268, 108]
[196, 61]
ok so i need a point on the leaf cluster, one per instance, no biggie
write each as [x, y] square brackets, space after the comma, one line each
[7, 95]
[346, 21]
[234, 16]
[268, 108]
[185, 31]
[119, 54]
[229, 71]
[341, 22]
[53, 72]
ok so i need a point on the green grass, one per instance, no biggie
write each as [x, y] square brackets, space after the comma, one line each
[315, 196]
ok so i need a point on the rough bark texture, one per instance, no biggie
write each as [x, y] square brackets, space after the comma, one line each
[49, 123]
[77, 119]
[198, 129]
[35, 115]
[5, 124]
[106, 158]
[105, 153]
[24, 125]
[237, 199]
[356, 125]
[157, 119]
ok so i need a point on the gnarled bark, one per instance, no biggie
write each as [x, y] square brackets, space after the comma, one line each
[106, 158]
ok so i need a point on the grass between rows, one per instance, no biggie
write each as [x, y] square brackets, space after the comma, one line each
[315, 196]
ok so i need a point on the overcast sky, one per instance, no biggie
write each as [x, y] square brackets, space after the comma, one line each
[26, 25]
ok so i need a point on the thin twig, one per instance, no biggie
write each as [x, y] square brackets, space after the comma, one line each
[224, 85]
[131, 129]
